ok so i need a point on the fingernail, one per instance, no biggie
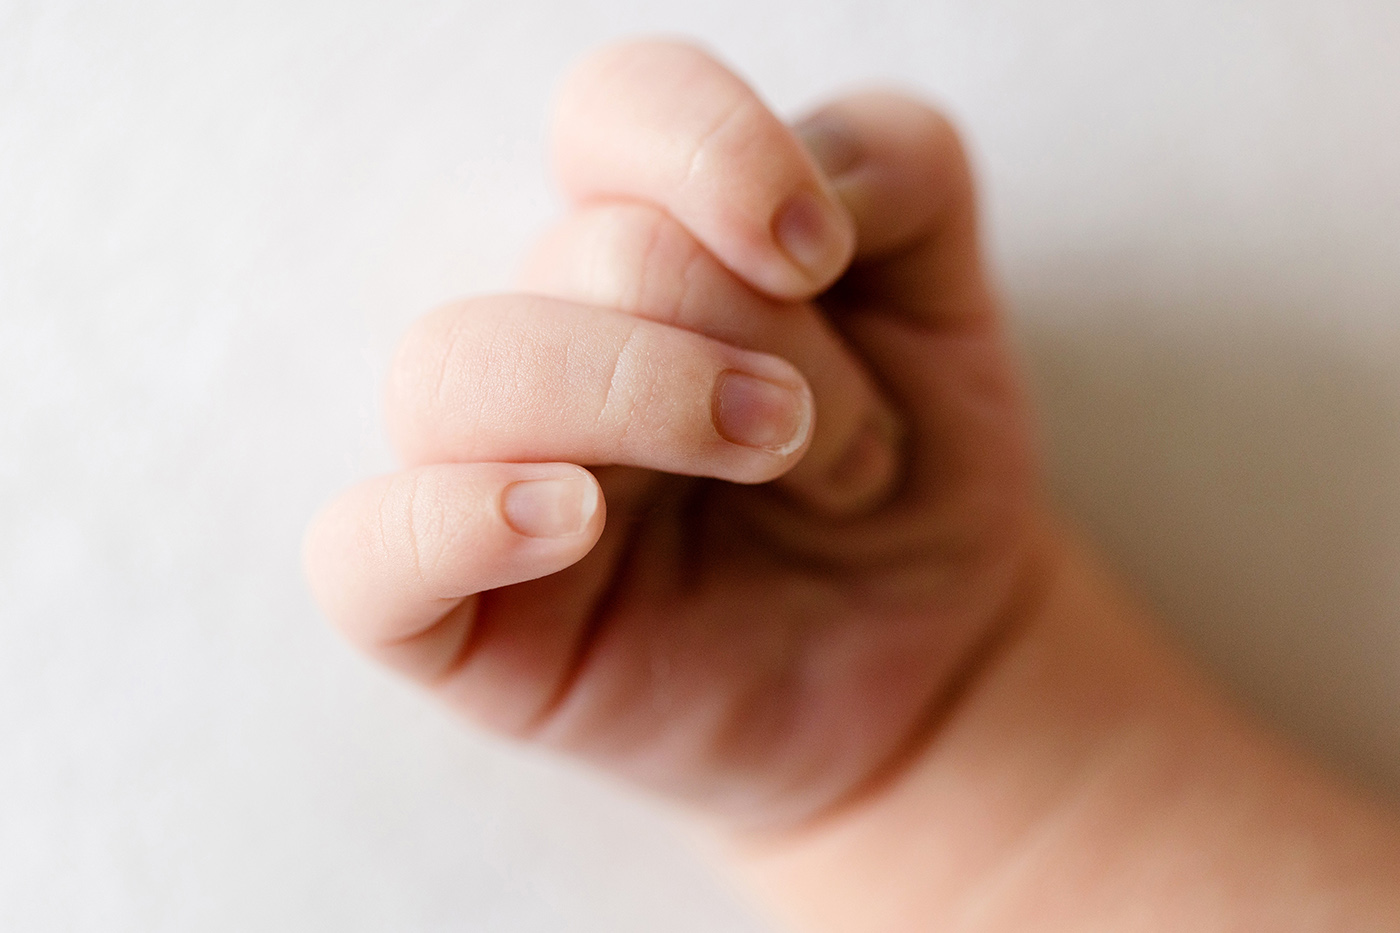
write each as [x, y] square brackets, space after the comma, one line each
[811, 232]
[754, 412]
[550, 508]
[830, 143]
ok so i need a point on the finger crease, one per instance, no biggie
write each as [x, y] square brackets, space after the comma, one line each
[411, 526]
[697, 156]
[605, 412]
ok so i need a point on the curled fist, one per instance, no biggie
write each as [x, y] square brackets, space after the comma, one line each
[731, 496]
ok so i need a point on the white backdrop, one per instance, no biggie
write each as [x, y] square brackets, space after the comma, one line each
[216, 219]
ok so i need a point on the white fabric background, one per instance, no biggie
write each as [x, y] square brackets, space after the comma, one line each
[216, 218]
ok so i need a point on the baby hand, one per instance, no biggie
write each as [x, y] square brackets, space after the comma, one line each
[776, 354]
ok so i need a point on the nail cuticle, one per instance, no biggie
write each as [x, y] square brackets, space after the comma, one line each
[759, 413]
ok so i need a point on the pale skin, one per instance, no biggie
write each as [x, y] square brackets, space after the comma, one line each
[737, 500]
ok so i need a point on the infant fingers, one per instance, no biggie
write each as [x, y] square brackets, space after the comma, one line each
[637, 258]
[663, 122]
[526, 378]
[395, 562]
[903, 174]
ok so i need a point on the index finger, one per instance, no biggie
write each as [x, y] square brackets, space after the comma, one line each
[665, 123]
